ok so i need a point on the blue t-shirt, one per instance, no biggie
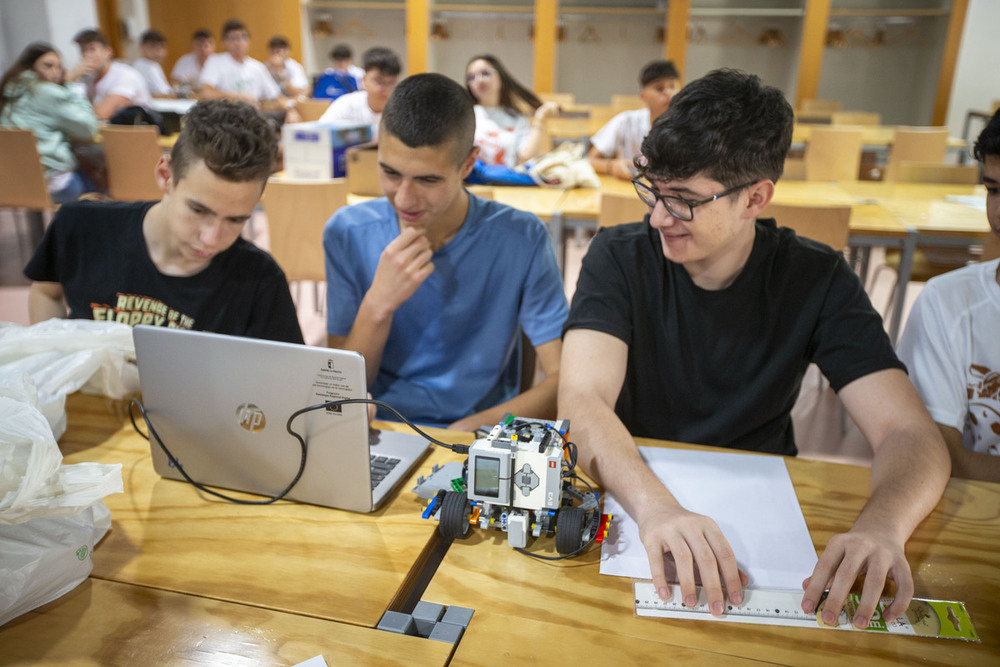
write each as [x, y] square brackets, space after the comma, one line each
[453, 348]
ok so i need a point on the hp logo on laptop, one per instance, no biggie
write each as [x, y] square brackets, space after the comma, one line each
[251, 418]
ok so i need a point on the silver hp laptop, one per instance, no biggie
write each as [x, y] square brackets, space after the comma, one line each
[220, 404]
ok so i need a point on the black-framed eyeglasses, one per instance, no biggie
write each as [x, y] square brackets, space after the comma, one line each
[678, 207]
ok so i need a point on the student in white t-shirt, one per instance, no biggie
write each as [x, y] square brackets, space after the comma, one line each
[187, 70]
[619, 142]
[235, 75]
[153, 47]
[382, 70]
[286, 72]
[504, 134]
[111, 85]
[950, 343]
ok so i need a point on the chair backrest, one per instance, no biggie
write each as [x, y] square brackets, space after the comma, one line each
[794, 169]
[132, 153]
[312, 109]
[617, 208]
[833, 154]
[22, 178]
[482, 191]
[820, 105]
[826, 224]
[568, 99]
[625, 102]
[932, 172]
[296, 214]
[916, 144]
[855, 118]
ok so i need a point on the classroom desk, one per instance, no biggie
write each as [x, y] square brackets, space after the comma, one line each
[954, 554]
[873, 136]
[288, 556]
[108, 623]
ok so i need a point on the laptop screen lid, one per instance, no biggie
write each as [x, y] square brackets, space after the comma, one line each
[220, 404]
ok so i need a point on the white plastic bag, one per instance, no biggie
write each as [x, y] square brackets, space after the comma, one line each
[51, 515]
[45, 558]
[64, 356]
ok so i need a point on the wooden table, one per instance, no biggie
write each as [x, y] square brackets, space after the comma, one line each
[873, 136]
[954, 554]
[288, 556]
[107, 623]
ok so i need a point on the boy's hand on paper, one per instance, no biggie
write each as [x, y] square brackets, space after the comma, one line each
[875, 554]
[694, 541]
[404, 265]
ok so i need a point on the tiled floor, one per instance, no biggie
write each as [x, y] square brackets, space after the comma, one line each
[817, 415]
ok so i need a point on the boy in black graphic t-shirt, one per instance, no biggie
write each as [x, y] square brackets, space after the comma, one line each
[178, 262]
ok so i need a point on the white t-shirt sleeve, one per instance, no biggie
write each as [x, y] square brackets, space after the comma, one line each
[212, 71]
[606, 139]
[934, 359]
[297, 75]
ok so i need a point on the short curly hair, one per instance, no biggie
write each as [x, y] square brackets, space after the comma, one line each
[235, 141]
[988, 142]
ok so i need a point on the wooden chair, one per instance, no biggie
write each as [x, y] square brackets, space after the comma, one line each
[296, 212]
[826, 224]
[625, 102]
[22, 182]
[932, 172]
[132, 153]
[991, 248]
[617, 208]
[833, 154]
[794, 169]
[820, 105]
[311, 110]
[855, 118]
[562, 99]
[483, 191]
[916, 144]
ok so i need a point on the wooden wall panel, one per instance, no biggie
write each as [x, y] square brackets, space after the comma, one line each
[811, 54]
[178, 19]
[678, 15]
[949, 60]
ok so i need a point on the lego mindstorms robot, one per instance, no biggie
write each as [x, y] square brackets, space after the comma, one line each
[517, 479]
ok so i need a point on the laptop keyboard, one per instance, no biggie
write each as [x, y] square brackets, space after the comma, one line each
[381, 467]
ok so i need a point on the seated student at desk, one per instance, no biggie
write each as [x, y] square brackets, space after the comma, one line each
[186, 74]
[619, 142]
[504, 135]
[111, 85]
[950, 343]
[434, 285]
[180, 261]
[153, 50]
[698, 327]
[365, 106]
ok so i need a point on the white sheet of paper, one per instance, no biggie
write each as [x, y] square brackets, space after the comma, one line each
[977, 202]
[750, 497]
[315, 661]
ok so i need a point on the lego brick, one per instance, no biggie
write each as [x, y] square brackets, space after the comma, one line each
[426, 615]
[401, 624]
[446, 632]
[458, 616]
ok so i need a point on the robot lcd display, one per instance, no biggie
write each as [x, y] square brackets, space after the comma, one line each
[487, 476]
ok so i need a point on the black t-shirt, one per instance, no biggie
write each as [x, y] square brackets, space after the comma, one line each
[724, 367]
[97, 252]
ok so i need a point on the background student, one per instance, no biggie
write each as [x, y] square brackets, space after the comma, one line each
[179, 261]
[344, 77]
[434, 285]
[950, 343]
[186, 73]
[33, 97]
[617, 144]
[286, 72]
[153, 47]
[111, 85]
[698, 326]
[365, 106]
[504, 134]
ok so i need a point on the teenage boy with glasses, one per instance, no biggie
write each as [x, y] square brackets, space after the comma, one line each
[698, 324]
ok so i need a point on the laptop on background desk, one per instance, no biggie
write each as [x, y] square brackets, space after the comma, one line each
[220, 404]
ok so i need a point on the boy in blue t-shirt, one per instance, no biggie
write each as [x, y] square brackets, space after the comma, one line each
[433, 285]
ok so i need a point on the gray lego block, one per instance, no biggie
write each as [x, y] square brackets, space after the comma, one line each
[447, 632]
[426, 614]
[458, 616]
[402, 624]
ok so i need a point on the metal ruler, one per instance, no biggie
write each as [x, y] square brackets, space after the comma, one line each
[923, 618]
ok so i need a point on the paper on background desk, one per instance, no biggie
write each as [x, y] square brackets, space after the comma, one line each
[977, 202]
[750, 497]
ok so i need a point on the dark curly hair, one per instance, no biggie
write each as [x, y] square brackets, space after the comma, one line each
[236, 142]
